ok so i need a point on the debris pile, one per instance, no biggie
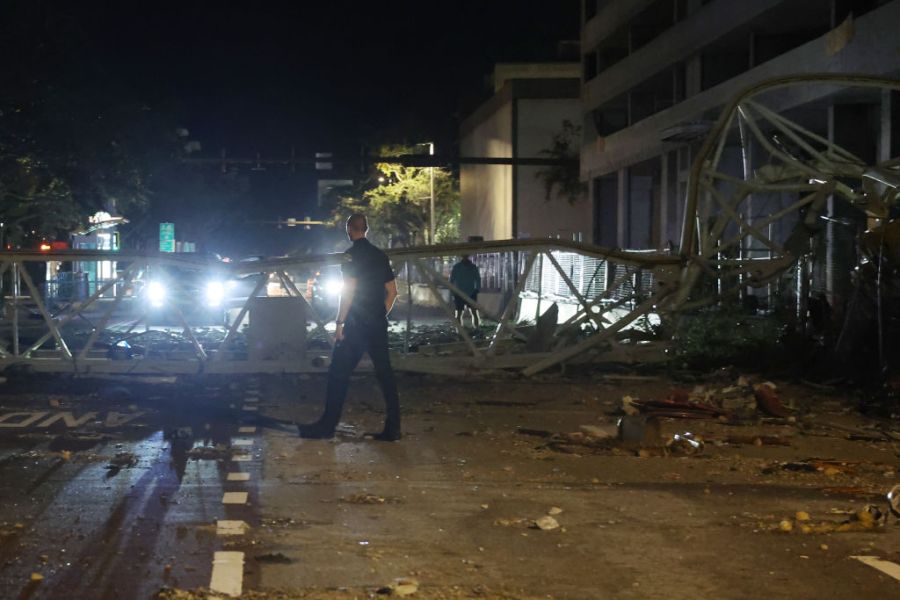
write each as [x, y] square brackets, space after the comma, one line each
[546, 522]
[363, 498]
[217, 452]
[740, 401]
[868, 518]
[121, 460]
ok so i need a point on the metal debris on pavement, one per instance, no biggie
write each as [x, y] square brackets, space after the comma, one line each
[685, 443]
[893, 497]
[122, 460]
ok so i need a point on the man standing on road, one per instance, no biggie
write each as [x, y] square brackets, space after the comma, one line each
[367, 297]
[467, 278]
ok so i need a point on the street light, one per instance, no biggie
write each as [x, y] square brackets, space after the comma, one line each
[431, 203]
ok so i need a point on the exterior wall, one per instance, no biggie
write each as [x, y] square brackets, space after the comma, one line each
[538, 121]
[633, 173]
[681, 41]
[486, 190]
[506, 72]
[866, 53]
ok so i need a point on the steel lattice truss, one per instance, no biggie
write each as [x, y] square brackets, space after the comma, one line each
[743, 227]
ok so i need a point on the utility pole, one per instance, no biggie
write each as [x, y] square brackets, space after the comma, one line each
[431, 207]
[431, 226]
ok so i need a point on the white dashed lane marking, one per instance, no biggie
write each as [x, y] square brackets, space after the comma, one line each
[227, 573]
[234, 498]
[226, 527]
[885, 566]
[228, 567]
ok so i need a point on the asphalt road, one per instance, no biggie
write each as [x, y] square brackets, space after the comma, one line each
[191, 484]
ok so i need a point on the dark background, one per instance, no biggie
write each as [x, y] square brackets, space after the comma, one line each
[266, 77]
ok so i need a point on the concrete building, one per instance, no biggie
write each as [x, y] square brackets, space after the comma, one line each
[529, 105]
[657, 72]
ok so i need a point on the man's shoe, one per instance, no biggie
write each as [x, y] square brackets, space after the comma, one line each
[386, 436]
[314, 432]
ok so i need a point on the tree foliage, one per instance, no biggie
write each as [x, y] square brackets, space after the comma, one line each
[397, 201]
[73, 138]
[564, 181]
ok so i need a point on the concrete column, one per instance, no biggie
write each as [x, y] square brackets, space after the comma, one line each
[663, 200]
[829, 224]
[884, 127]
[622, 209]
[594, 231]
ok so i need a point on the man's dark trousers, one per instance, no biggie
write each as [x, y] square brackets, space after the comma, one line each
[347, 354]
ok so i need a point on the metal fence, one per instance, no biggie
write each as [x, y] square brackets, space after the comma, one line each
[59, 329]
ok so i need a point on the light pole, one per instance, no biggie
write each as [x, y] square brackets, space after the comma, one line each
[431, 204]
[431, 228]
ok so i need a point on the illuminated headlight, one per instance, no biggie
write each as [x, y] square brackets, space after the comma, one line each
[156, 293]
[333, 287]
[215, 293]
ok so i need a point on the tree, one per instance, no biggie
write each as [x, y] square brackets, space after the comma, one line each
[397, 200]
[73, 139]
[564, 180]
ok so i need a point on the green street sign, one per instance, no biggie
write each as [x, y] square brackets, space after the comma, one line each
[167, 237]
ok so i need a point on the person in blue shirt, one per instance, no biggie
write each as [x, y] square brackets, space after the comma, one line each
[467, 278]
[367, 297]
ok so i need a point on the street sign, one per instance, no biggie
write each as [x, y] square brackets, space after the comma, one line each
[167, 237]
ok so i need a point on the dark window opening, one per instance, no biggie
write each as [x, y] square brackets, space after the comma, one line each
[609, 56]
[722, 64]
[606, 210]
[590, 66]
[652, 21]
[679, 83]
[857, 8]
[611, 117]
[767, 47]
[856, 129]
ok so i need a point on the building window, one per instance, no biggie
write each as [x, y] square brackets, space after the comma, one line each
[606, 210]
[610, 55]
[679, 83]
[845, 8]
[590, 66]
[612, 116]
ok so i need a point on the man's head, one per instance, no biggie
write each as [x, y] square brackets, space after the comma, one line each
[357, 226]
[465, 257]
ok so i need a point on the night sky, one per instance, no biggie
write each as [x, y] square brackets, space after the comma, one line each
[265, 77]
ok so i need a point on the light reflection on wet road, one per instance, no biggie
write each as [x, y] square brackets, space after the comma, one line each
[92, 531]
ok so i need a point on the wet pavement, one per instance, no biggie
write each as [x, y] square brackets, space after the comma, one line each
[111, 490]
[123, 499]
